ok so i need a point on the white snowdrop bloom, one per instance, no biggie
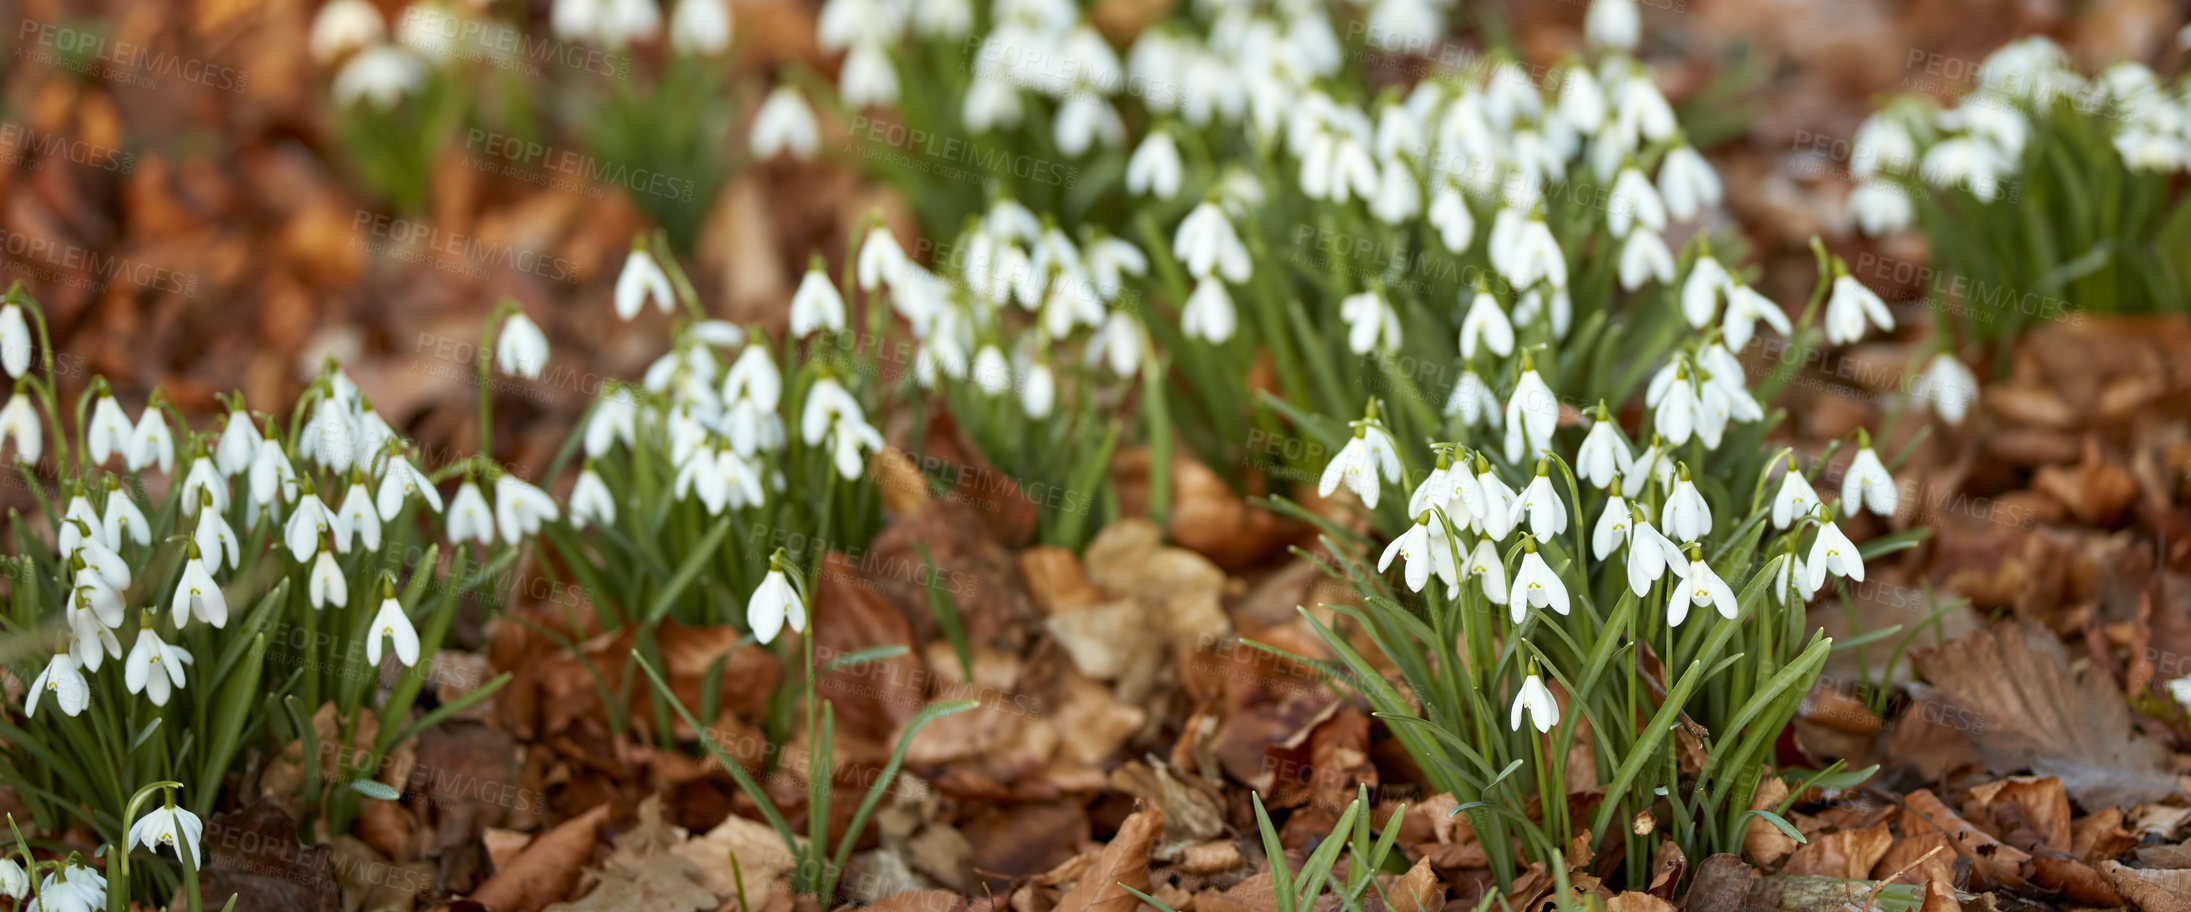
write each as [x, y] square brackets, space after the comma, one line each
[1398, 132]
[1795, 499]
[1998, 122]
[1645, 258]
[943, 18]
[1117, 344]
[169, 826]
[1497, 510]
[816, 305]
[330, 438]
[1534, 256]
[196, 595]
[106, 568]
[343, 26]
[521, 508]
[1511, 96]
[1849, 307]
[15, 340]
[1084, 119]
[992, 374]
[150, 443]
[19, 423]
[154, 668]
[215, 539]
[392, 625]
[1534, 698]
[1155, 168]
[1540, 504]
[71, 888]
[1208, 314]
[642, 281]
[1640, 113]
[1532, 414]
[2146, 150]
[591, 501]
[522, 349]
[700, 27]
[1602, 455]
[398, 481]
[1431, 493]
[123, 520]
[774, 604]
[573, 20]
[1365, 465]
[1634, 202]
[1207, 245]
[867, 77]
[1688, 183]
[470, 519]
[1792, 579]
[80, 523]
[1612, 528]
[1370, 323]
[91, 639]
[1700, 587]
[615, 418]
[1337, 167]
[1535, 586]
[1948, 386]
[1686, 517]
[202, 487]
[380, 75]
[1556, 307]
[881, 260]
[238, 446]
[832, 412]
[1486, 326]
[741, 481]
[356, 516]
[990, 104]
[1744, 308]
[326, 585]
[1881, 207]
[109, 430]
[784, 124]
[700, 476]
[1882, 145]
[619, 23]
[1613, 24]
[1582, 100]
[307, 524]
[1472, 401]
[1700, 293]
[1867, 485]
[1675, 405]
[1967, 162]
[1397, 199]
[1449, 214]
[1037, 390]
[1832, 554]
[1403, 25]
[1423, 550]
[1484, 565]
[68, 689]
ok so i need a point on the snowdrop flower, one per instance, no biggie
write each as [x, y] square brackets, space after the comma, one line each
[469, 517]
[238, 446]
[1848, 308]
[816, 305]
[393, 625]
[1532, 414]
[1534, 698]
[1641, 112]
[1486, 326]
[1472, 400]
[591, 501]
[1424, 550]
[72, 693]
[614, 419]
[214, 537]
[105, 567]
[1686, 516]
[1700, 587]
[1037, 390]
[1484, 565]
[619, 23]
[1208, 314]
[399, 481]
[1117, 344]
[1613, 24]
[1535, 586]
[1398, 198]
[123, 520]
[573, 20]
[380, 75]
[991, 374]
[990, 103]
[1370, 323]
[1675, 406]
[307, 523]
[1533, 256]
[1744, 308]
[170, 826]
[150, 442]
[155, 669]
[867, 77]
[1207, 245]
[71, 888]
[1644, 257]
[775, 603]
[19, 422]
[1687, 182]
[1832, 554]
[642, 281]
[1882, 145]
[1540, 504]
[15, 340]
[832, 412]
[1795, 499]
[1968, 162]
[110, 429]
[521, 508]
[785, 123]
[271, 475]
[1497, 510]
[203, 487]
[1633, 202]
[1700, 293]
[1948, 386]
[357, 516]
[1082, 120]
[1602, 456]
[326, 583]
[1880, 208]
[700, 27]
[1366, 457]
[196, 595]
[1612, 528]
[943, 18]
[91, 641]
[1866, 484]
[698, 476]
[522, 349]
[1449, 214]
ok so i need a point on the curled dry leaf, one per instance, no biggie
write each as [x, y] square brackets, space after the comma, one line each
[1847, 854]
[2150, 891]
[1763, 843]
[2024, 802]
[1124, 861]
[547, 869]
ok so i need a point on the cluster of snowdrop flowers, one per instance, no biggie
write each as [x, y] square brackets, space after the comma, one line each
[374, 69]
[700, 27]
[69, 886]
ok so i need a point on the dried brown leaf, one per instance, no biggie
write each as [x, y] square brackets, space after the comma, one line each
[1124, 861]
